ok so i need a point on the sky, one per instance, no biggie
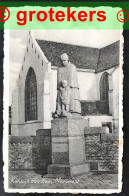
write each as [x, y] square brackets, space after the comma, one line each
[18, 40]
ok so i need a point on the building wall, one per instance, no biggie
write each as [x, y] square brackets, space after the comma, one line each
[53, 90]
[113, 94]
[38, 62]
[113, 88]
[87, 84]
[98, 77]
[116, 93]
[115, 104]
[15, 116]
[96, 121]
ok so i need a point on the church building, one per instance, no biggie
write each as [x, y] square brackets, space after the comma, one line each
[34, 98]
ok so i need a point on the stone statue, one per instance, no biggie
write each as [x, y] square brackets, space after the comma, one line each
[67, 74]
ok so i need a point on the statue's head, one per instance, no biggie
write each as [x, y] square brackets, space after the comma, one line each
[64, 83]
[65, 59]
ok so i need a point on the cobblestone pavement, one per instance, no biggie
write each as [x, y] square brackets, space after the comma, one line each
[30, 179]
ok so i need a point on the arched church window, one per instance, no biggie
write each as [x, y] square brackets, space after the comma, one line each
[104, 87]
[30, 96]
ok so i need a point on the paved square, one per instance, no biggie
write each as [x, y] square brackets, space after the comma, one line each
[31, 180]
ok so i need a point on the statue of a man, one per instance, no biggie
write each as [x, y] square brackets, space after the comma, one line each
[68, 73]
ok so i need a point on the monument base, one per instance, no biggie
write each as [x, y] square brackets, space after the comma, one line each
[68, 148]
[66, 171]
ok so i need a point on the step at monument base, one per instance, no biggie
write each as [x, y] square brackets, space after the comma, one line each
[66, 171]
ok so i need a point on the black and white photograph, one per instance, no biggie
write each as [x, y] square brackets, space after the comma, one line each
[63, 111]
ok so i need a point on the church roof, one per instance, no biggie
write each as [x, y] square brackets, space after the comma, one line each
[83, 57]
[109, 56]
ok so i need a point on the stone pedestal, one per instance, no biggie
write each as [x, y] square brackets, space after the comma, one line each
[68, 148]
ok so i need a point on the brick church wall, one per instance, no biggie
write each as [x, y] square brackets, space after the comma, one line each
[101, 151]
[30, 153]
[34, 152]
[20, 152]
